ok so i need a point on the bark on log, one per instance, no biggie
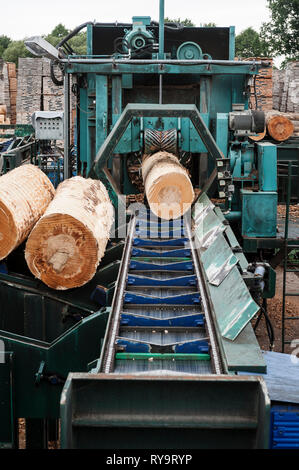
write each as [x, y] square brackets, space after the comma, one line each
[291, 116]
[279, 127]
[167, 185]
[25, 193]
[67, 244]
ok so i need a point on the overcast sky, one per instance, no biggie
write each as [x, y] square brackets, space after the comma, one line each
[21, 18]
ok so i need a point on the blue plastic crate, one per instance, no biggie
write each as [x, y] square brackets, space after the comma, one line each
[284, 427]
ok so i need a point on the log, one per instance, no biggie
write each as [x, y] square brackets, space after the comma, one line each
[258, 137]
[67, 244]
[3, 109]
[279, 127]
[25, 193]
[167, 185]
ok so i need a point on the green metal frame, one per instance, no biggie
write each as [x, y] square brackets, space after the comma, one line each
[148, 110]
[137, 412]
[286, 270]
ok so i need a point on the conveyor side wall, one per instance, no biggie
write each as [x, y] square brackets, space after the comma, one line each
[125, 412]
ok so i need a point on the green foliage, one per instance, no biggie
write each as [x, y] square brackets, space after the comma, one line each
[208, 25]
[4, 43]
[249, 44]
[60, 31]
[185, 22]
[77, 43]
[282, 31]
[15, 50]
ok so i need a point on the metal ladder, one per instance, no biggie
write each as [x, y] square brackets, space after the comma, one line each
[160, 320]
[286, 269]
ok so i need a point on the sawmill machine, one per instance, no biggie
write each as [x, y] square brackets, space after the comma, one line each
[179, 89]
[157, 351]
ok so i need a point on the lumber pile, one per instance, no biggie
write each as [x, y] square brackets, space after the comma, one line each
[12, 77]
[167, 185]
[285, 89]
[25, 194]
[3, 115]
[279, 126]
[4, 94]
[67, 244]
[36, 91]
[30, 72]
[264, 85]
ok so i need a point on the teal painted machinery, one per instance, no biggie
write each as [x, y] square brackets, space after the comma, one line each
[140, 88]
[131, 64]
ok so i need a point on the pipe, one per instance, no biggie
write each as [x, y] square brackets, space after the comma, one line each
[157, 61]
[233, 216]
[161, 29]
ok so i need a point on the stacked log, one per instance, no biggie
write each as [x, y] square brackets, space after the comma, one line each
[12, 76]
[167, 185]
[25, 193]
[67, 244]
[3, 113]
[264, 85]
[4, 93]
[30, 72]
[37, 92]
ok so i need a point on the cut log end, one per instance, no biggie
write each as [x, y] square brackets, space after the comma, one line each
[25, 193]
[279, 128]
[171, 196]
[62, 252]
[168, 187]
[67, 244]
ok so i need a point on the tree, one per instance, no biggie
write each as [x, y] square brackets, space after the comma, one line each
[4, 43]
[249, 44]
[281, 32]
[208, 25]
[15, 50]
[77, 43]
[185, 22]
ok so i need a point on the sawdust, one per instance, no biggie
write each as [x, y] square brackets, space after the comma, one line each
[293, 212]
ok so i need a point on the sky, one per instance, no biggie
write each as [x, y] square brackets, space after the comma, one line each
[25, 18]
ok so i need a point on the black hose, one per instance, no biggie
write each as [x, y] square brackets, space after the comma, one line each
[269, 326]
[255, 92]
[55, 80]
[63, 43]
[73, 33]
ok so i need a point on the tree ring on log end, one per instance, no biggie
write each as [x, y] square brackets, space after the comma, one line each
[62, 252]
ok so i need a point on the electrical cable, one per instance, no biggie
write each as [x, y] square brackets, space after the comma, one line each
[63, 43]
[269, 326]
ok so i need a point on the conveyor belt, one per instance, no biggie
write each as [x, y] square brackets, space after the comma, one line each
[160, 317]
